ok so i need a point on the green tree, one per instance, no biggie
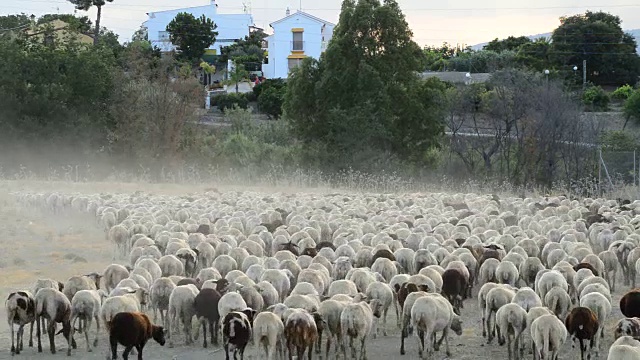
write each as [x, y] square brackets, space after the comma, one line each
[237, 74]
[511, 43]
[364, 92]
[270, 101]
[534, 55]
[81, 24]
[192, 36]
[85, 5]
[632, 107]
[598, 38]
[245, 50]
[141, 34]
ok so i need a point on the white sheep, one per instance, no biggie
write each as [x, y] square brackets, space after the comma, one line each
[548, 280]
[487, 272]
[383, 293]
[610, 261]
[511, 320]
[431, 314]
[77, 283]
[224, 264]
[527, 298]
[268, 331]
[229, 302]
[171, 265]
[280, 281]
[341, 267]
[252, 297]
[507, 273]
[85, 307]
[533, 314]
[119, 235]
[151, 266]
[548, 334]
[346, 287]
[624, 348]
[54, 307]
[159, 294]
[529, 269]
[601, 307]
[181, 308]
[558, 300]
[496, 298]
[384, 267]
[112, 276]
[356, 321]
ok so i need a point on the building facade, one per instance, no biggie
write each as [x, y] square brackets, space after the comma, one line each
[295, 37]
[231, 27]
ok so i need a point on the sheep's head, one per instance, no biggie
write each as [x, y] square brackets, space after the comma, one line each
[456, 325]
[158, 334]
[251, 314]
[95, 277]
[376, 307]
[222, 285]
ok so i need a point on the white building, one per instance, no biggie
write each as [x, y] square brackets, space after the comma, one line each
[295, 37]
[231, 27]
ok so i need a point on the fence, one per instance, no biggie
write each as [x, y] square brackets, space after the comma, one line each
[619, 173]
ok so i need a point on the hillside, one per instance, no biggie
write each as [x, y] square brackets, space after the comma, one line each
[634, 32]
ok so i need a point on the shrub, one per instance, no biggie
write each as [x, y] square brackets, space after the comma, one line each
[617, 140]
[632, 106]
[277, 83]
[228, 101]
[595, 99]
[271, 100]
[623, 92]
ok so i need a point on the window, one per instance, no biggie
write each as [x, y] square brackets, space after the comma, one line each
[298, 43]
[293, 63]
[163, 35]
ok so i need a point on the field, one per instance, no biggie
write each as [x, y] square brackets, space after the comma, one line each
[36, 245]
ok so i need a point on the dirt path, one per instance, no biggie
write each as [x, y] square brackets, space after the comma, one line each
[34, 245]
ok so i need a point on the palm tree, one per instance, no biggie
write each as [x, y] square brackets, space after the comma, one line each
[85, 5]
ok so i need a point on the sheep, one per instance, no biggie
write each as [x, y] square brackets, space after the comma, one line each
[582, 324]
[610, 261]
[356, 322]
[55, 307]
[252, 297]
[115, 304]
[119, 235]
[181, 305]
[189, 259]
[236, 331]
[533, 314]
[279, 280]
[529, 269]
[171, 265]
[206, 311]
[151, 266]
[527, 298]
[454, 287]
[341, 267]
[301, 332]
[624, 348]
[77, 283]
[383, 293]
[268, 329]
[487, 272]
[601, 307]
[630, 304]
[496, 298]
[159, 294]
[434, 275]
[310, 302]
[133, 329]
[229, 302]
[548, 334]
[548, 280]
[511, 319]
[20, 307]
[346, 287]
[431, 314]
[268, 292]
[507, 273]
[330, 311]
[85, 307]
[558, 301]
[47, 283]
[627, 327]
[385, 267]
[406, 316]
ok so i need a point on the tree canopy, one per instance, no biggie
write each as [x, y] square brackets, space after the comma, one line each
[85, 5]
[598, 38]
[245, 50]
[511, 43]
[192, 35]
[364, 92]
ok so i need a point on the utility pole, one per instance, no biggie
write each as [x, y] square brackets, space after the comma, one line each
[584, 74]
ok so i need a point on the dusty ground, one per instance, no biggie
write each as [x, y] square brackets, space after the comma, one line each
[34, 246]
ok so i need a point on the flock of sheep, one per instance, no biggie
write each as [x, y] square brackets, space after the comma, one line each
[283, 270]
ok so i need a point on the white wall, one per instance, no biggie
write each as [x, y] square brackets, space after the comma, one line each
[280, 43]
[230, 26]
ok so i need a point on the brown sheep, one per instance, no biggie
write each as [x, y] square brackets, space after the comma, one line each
[300, 332]
[236, 331]
[454, 286]
[630, 304]
[206, 305]
[132, 329]
[582, 324]
[383, 253]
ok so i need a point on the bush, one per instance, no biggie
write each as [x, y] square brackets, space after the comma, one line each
[623, 92]
[595, 99]
[271, 100]
[276, 83]
[632, 106]
[618, 141]
[227, 101]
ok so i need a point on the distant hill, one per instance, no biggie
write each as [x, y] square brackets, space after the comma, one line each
[634, 32]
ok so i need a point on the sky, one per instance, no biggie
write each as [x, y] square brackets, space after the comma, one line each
[464, 22]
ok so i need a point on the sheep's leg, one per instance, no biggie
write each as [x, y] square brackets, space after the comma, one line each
[127, 350]
[375, 327]
[384, 322]
[31, 335]
[509, 354]
[51, 332]
[403, 334]
[328, 347]
[318, 348]
[310, 351]
[95, 341]
[87, 326]
[19, 343]
[420, 342]
[363, 348]
[484, 329]
[38, 334]
[113, 343]
[13, 347]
